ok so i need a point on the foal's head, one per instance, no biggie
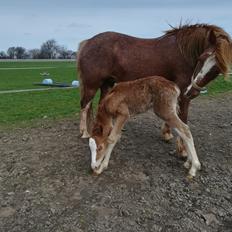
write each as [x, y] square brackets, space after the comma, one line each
[215, 59]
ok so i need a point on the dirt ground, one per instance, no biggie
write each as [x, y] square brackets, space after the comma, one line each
[46, 183]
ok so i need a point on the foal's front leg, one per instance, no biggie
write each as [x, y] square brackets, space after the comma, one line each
[118, 124]
[112, 140]
[105, 162]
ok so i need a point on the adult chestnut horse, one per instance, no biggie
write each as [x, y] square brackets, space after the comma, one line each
[183, 55]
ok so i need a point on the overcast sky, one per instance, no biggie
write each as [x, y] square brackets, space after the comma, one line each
[29, 23]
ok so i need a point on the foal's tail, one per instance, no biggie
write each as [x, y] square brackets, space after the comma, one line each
[80, 49]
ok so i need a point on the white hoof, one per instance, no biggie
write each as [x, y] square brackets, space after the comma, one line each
[85, 135]
[192, 172]
[102, 167]
[195, 167]
[97, 172]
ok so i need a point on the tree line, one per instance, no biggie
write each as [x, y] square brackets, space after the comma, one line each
[48, 50]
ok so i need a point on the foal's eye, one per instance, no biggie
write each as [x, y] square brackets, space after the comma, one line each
[98, 130]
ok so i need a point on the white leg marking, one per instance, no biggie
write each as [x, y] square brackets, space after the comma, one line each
[105, 162]
[192, 155]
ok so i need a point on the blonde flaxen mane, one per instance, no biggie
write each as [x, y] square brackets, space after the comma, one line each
[193, 40]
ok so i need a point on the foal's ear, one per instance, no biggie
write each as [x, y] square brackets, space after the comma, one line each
[212, 37]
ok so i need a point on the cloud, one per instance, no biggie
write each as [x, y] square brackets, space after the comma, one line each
[78, 25]
[27, 33]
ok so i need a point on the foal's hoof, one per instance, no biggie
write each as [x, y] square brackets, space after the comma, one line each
[97, 172]
[187, 164]
[167, 137]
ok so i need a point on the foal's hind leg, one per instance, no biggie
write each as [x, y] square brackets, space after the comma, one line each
[183, 115]
[184, 132]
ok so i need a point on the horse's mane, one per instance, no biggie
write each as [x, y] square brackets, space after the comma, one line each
[194, 39]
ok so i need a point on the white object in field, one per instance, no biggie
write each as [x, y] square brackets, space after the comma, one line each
[204, 91]
[47, 81]
[75, 83]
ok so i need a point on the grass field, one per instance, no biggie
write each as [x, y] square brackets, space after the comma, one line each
[18, 109]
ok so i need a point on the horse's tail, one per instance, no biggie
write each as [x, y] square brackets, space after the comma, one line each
[80, 49]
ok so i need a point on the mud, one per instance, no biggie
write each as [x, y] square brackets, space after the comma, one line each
[46, 183]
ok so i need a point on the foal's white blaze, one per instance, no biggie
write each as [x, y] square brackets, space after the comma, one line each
[208, 64]
[93, 149]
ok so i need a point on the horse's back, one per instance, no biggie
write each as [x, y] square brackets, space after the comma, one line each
[141, 94]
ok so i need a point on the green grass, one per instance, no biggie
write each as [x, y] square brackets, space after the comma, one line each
[19, 109]
[24, 78]
[219, 85]
[26, 107]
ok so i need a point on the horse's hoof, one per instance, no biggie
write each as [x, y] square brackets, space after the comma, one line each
[85, 135]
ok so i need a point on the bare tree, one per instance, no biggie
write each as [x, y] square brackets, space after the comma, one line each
[64, 53]
[34, 53]
[11, 52]
[3, 55]
[20, 52]
[49, 49]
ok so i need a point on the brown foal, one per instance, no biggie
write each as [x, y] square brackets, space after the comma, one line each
[130, 98]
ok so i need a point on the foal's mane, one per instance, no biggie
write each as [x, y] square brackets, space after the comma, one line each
[194, 39]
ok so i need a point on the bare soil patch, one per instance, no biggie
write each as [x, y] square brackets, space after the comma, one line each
[46, 183]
